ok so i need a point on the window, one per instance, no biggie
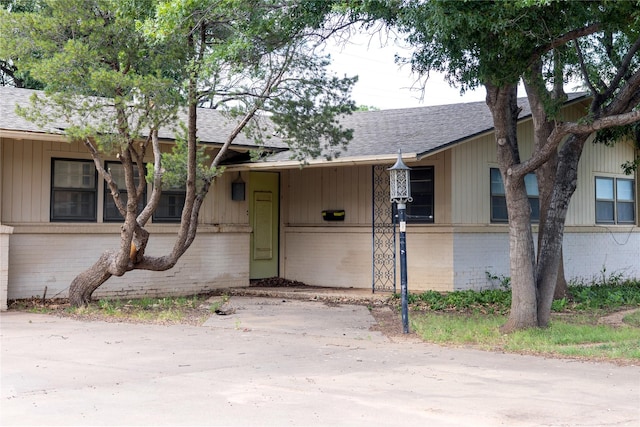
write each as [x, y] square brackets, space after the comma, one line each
[111, 212]
[615, 201]
[170, 205]
[499, 201]
[74, 190]
[420, 210]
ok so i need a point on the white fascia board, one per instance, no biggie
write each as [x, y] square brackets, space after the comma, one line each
[320, 163]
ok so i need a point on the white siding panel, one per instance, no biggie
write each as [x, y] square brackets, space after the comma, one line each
[596, 160]
[470, 180]
[312, 190]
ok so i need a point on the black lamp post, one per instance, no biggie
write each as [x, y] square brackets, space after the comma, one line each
[400, 189]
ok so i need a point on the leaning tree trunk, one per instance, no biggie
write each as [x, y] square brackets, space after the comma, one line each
[85, 283]
[550, 252]
[546, 173]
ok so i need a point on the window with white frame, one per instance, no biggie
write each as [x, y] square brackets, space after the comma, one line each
[74, 190]
[111, 212]
[499, 202]
[615, 200]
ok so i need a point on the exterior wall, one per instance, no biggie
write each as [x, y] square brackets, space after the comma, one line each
[5, 233]
[338, 257]
[429, 259]
[41, 253]
[323, 253]
[597, 160]
[602, 252]
[471, 187]
[481, 247]
[52, 256]
[26, 184]
[479, 253]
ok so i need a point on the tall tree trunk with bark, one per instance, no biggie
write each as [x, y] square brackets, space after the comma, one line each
[502, 102]
[550, 253]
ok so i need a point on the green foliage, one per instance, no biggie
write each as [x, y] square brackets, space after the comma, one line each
[607, 292]
[367, 108]
[485, 301]
[606, 295]
[175, 166]
[503, 281]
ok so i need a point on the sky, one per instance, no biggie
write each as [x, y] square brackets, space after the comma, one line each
[384, 84]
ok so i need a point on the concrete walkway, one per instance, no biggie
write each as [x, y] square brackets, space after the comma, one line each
[289, 363]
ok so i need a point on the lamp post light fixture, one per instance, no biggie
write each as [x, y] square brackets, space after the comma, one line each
[400, 190]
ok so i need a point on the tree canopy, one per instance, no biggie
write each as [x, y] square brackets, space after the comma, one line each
[545, 44]
[117, 71]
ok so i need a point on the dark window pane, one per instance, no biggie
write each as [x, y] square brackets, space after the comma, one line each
[604, 212]
[497, 188]
[421, 209]
[170, 207]
[535, 208]
[70, 205]
[73, 191]
[625, 212]
[499, 209]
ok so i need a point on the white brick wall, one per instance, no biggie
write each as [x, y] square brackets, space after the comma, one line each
[475, 254]
[586, 255]
[5, 233]
[52, 260]
[589, 255]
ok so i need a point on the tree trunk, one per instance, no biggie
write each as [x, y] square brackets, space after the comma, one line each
[85, 283]
[523, 312]
[550, 257]
[562, 288]
[502, 101]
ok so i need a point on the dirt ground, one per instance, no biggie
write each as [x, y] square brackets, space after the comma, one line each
[385, 311]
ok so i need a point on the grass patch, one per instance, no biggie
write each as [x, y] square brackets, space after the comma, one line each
[166, 310]
[563, 337]
[632, 319]
[474, 317]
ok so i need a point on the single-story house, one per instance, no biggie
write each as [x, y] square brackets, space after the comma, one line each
[329, 223]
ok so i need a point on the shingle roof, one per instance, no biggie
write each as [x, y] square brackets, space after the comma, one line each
[420, 130]
[213, 126]
[414, 130]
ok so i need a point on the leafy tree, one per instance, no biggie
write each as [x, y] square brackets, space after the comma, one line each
[9, 73]
[119, 70]
[495, 45]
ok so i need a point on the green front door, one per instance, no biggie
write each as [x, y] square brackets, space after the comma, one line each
[263, 215]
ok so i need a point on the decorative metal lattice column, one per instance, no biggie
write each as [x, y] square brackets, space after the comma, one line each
[383, 233]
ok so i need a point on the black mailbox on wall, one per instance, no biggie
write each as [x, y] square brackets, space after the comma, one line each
[333, 215]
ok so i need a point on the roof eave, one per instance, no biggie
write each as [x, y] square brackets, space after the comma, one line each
[319, 163]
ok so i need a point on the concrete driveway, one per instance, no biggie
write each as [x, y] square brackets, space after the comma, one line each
[288, 363]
